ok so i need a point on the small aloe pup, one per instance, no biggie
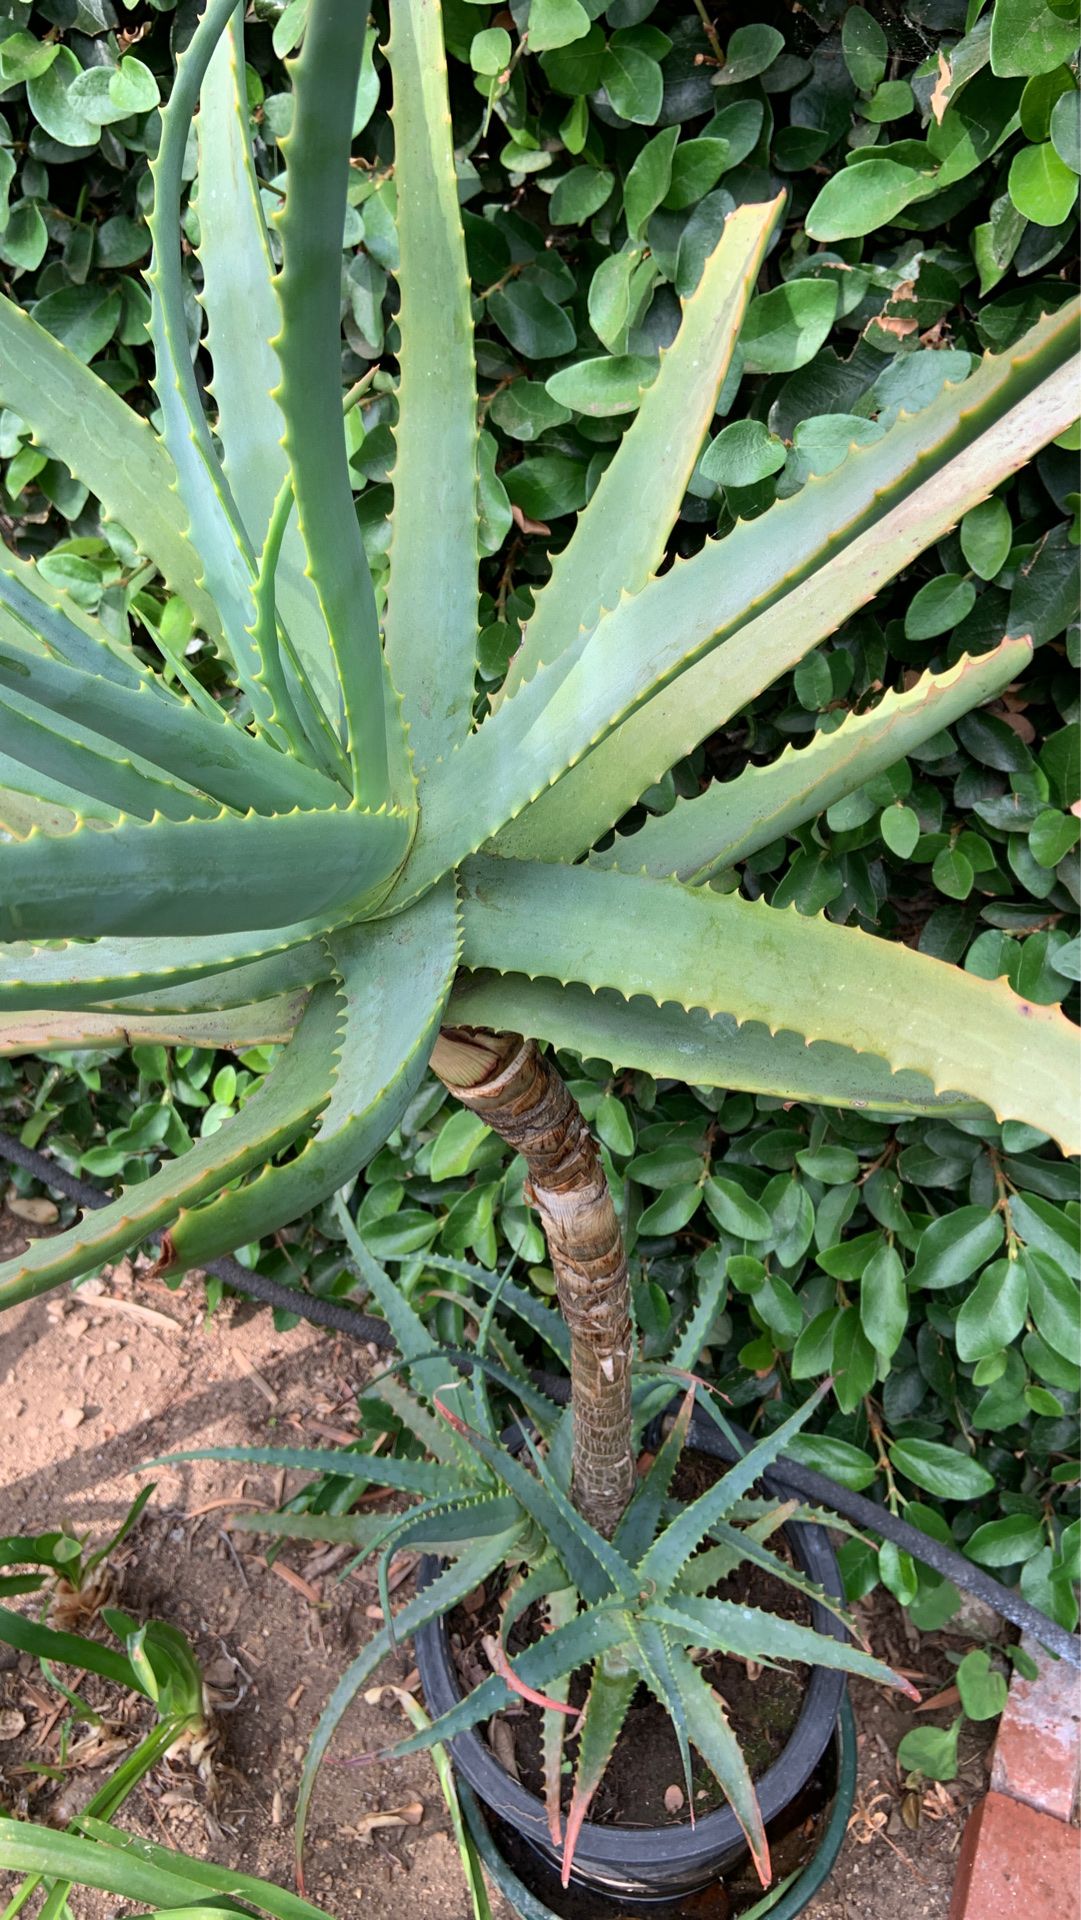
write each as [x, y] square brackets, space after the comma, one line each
[353, 855]
[637, 1610]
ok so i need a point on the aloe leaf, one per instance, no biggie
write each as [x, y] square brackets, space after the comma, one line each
[316, 153]
[620, 537]
[45, 1031]
[425, 1477]
[586, 1557]
[672, 1549]
[544, 1321]
[138, 877]
[395, 978]
[439, 1526]
[132, 972]
[460, 1521]
[424, 1428]
[73, 1649]
[586, 1638]
[715, 1050]
[723, 1626]
[652, 680]
[713, 1737]
[216, 526]
[730, 821]
[104, 444]
[432, 655]
[636, 1529]
[437, 1598]
[202, 746]
[274, 977]
[734, 1545]
[695, 1332]
[288, 1100]
[806, 975]
[30, 800]
[73, 756]
[39, 615]
[653, 1653]
[606, 1709]
[562, 1609]
[411, 1336]
[242, 318]
[604, 1551]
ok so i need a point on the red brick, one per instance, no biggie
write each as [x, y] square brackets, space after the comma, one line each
[1038, 1749]
[1017, 1864]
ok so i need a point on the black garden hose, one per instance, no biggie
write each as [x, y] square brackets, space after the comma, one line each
[815, 1486]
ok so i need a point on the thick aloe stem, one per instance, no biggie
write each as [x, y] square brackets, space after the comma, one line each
[520, 1094]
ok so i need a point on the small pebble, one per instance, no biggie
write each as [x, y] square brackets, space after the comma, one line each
[72, 1417]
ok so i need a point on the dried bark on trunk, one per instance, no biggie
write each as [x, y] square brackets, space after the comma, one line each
[521, 1096]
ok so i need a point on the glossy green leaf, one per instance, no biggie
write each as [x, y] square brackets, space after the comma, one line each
[1066, 129]
[742, 454]
[649, 179]
[994, 1312]
[865, 47]
[1027, 36]
[940, 1470]
[1055, 1303]
[939, 606]
[751, 50]
[982, 1688]
[1041, 185]
[986, 537]
[884, 1301]
[955, 1247]
[1006, 1542]
[604, 387]
[786, 327]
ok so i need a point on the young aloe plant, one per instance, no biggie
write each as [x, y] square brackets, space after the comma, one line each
[631, 1610]
[354, 855]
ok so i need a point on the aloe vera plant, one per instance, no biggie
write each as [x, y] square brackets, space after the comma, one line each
[354, 856]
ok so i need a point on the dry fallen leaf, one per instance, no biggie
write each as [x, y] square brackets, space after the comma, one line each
[407, 1816]
[940, 98]
[523, 521]
[948, 1697]
[37, 1213]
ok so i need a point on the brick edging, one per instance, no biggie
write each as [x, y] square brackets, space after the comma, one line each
[1021, 1854]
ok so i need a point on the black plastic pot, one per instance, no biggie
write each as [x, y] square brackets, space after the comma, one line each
[789, 1902]
[654, 1862]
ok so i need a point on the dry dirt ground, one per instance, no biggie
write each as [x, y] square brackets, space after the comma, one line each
[95, 1383]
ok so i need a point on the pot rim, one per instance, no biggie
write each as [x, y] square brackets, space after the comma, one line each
[612, 1850]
